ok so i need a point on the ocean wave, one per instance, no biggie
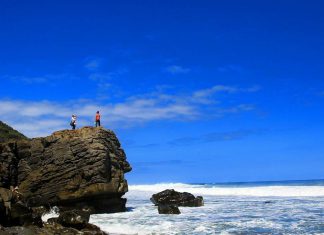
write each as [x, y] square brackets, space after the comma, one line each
[258, 191]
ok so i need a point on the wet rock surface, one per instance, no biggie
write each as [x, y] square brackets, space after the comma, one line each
[75, 219]
[168, 209]
[172, 197]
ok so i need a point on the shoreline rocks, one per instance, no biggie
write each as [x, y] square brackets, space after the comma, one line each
[74, 219]
[169, 200]
[168, 209]
[51, 229]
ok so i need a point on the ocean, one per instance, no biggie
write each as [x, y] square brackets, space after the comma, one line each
[285, 207]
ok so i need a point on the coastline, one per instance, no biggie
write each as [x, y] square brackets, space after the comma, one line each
[284, 211]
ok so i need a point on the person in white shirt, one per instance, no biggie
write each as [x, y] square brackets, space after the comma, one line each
[73, 122]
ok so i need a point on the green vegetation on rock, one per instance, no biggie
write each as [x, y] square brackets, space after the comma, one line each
[8, 133]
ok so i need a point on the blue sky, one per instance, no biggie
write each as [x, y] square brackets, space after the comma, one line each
[197, 91]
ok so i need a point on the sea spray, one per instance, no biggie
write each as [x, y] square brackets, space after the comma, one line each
[229, 209]
[53, 213]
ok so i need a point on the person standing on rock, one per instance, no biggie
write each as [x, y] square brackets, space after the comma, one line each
[97, 119]
[73, 122]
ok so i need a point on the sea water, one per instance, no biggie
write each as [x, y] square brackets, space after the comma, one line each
[241, 208]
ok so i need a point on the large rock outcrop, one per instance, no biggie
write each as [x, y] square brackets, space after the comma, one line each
[81, 168]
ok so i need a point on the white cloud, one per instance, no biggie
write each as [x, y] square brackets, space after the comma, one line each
[43, 117]
[203, 96]
[211, 91]
[30, 109]
[175, 69]
[39, 118]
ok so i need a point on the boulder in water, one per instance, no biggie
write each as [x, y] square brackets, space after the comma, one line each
[168, 209]
[172, 197]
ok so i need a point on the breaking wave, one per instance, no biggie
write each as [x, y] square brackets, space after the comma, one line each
[232, 190]
[53, 213]
[244, 208]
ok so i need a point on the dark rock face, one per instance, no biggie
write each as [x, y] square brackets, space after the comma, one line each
[172, 197]
[5, 204]
[71, 169]
[91, 229]
[168, 209]
[14, 212]
[20, 214]
[53, 229]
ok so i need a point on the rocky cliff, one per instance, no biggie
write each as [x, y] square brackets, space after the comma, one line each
[71, 169]
[8, 133]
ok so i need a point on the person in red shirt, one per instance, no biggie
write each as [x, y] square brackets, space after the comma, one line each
[97, 119]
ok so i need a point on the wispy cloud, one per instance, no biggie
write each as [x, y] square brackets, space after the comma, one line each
[142, 145]
[176, 69]
[93, 64]
[42, 117]
[173, 162]
[100, 77]
[204, 95]
[104, 81]
[214, 89]
[230, 67]
[236, 109]
[216, 136]
[221, 88]
[321, 93]
[49, 79]
[103, 77]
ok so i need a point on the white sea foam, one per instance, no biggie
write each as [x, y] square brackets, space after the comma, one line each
[258, 191]
[53, 213]
[227, 210]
